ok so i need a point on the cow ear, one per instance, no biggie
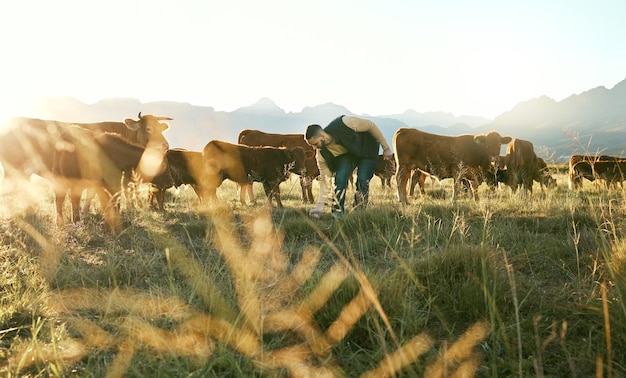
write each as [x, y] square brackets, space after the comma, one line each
[506, 140]
[480, 139]
[309, 154]
[131, 124]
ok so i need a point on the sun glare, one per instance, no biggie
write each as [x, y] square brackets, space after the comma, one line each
[12, 106]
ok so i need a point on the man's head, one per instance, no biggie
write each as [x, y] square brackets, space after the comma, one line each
[316, 136]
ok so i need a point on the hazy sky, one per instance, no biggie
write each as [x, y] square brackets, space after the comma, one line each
[374, 57]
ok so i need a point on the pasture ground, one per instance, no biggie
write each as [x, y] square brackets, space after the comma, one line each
[511, 285]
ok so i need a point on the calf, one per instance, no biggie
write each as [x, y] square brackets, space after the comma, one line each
[183, 167]
[385, 169]
[256, 138]
[524, 167]
[244, 165]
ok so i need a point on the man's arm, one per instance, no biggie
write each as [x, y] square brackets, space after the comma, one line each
[365, 125]
[324, 180]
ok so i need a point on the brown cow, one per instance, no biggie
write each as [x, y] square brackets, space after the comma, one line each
[545, 177]
[183, 167]
[524, 167]
[596, 167]
[102, 161]
[255, 138]
[147, 129]
[244, 165]
[385, 169]
[458, 157]
[32, 145]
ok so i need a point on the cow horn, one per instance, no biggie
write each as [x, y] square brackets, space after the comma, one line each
[139, 115]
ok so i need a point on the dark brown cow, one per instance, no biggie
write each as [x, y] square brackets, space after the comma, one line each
[385, 169]
[524, 167]
[545, 175]
[259, 138]
[611, 169]
[458, 157]
[183, 167]
[102, 161]
[244, 165]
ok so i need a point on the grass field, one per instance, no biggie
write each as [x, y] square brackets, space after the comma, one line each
[511, 285]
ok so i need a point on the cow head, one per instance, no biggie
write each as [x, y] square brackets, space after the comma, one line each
[149, 130]
[310, 163]
[297, 156]
[492, 142]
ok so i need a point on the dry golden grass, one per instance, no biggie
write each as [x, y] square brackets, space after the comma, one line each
[229, 279]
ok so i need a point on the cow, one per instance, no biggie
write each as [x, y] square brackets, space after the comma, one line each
[596, 167]
[419, 178]
[385, 169]
[31, 145]
[459, 157]
[102, 161]
[259, 138]
[244, 165]
[147, 129]
[183, 167]
[523, 167]
[545, 177]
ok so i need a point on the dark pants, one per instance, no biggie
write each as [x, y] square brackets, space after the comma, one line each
[365, 171]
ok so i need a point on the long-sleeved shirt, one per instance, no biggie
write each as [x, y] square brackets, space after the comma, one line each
[358, 125]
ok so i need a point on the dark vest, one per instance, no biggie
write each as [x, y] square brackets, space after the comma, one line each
[361, 145]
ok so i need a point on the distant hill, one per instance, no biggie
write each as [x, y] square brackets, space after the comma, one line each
[593, 121]
[194, 126]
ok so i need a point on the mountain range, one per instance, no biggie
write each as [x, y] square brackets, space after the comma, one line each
[591, 122]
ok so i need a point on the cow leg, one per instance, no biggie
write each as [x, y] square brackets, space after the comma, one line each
[62, 188]
[303, 195]
[272, 191]
[474, 187]
[402, 177]
[250, 193]
[309, 189]
[198, 190]
[241, 188]
[110, 206]
[417, 178]
[75, 193]
[59, 194]
[157, 194]
[246, 190]
[160, 197]
[152, 194]
[91, 193]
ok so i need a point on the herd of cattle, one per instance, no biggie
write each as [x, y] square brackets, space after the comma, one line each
[104, 157]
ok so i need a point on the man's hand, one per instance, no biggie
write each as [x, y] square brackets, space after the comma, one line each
[315, 212]
[388, 154]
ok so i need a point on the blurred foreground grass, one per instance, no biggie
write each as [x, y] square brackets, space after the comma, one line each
[511, 285]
